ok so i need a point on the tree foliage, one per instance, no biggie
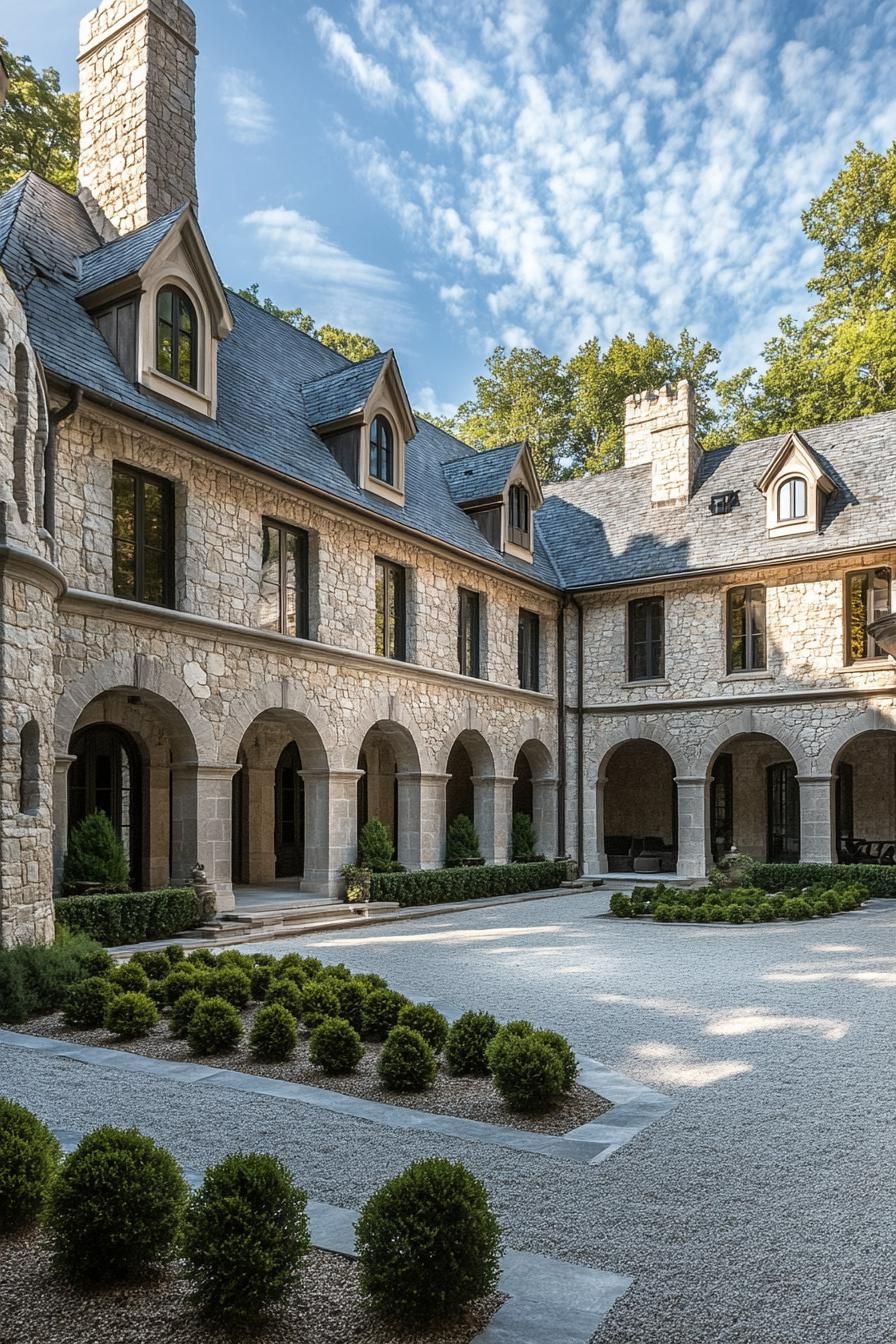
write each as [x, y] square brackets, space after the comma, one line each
[350, 344]
[39, 125]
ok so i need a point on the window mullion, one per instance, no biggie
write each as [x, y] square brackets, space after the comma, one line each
[139, 586]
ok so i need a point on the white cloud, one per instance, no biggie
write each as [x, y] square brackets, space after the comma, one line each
[248, 115]
[236, 8]
[345, 289]
[429, 403]
[367, 75]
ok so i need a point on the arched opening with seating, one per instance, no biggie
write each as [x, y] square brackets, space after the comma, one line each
[640, 809]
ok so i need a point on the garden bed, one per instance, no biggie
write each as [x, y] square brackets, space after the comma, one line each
[471, 1097]
[326, 1308]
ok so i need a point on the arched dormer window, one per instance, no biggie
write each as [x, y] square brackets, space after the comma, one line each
[792, 500]
[177, 336]
[518, 520]
[382, 450]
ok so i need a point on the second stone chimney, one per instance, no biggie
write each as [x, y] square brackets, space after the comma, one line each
[661, 429]
[138, 112]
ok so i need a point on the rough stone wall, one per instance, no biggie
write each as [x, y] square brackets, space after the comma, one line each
[27, 633]
[660, 429]
[805, 636]
[138, 74]
[218, 524]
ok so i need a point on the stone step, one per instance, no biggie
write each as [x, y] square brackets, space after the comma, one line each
[582, 884]
[276, 923]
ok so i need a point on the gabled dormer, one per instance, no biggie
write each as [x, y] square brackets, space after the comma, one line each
[158, 301]
[500, 490]
[363, 415]
[796, 489]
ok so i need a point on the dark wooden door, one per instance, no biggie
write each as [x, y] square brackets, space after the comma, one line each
[783, 813]
[289, 814]
[107, 776]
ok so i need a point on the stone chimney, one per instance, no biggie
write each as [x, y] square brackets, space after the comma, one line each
[138, 112]
[661, 428]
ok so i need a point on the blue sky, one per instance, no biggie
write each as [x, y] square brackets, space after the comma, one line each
[446, 175]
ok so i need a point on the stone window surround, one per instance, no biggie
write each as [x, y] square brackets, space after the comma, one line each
[203, 397]
[795, 460]
[851, 664]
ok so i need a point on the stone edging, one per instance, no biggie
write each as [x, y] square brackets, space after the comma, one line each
[634, 1106]
[549, 1301]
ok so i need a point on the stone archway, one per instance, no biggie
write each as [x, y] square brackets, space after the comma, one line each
[392, 787]
[754, 797]
[637, 808]
[535, 793]
[474, 790]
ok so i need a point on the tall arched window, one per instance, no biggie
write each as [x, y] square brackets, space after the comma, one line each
[177, 336]
[518, 522]
[29, 777]
[20, 432]
[382, 451]
[791, 499]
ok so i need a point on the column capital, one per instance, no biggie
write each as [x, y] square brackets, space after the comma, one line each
[692, 780]
[344, 776]
[422, 777]
[813, 779]
[62, 762]
[503, 780]
[205, 771]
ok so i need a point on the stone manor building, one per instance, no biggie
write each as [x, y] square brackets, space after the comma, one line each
[250, 600]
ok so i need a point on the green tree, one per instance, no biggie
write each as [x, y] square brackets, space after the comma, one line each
[95, 855]
[840, 362]
[39, 125]
[348, 343]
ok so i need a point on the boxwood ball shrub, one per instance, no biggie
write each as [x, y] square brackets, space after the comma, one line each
[87, 1002]
[406, 1063]
[129, 976]
[155, 964]
[202, 956]
[430, 1023]
[352, 998]
[273, 1036]
[797, 908]
[335, 1046]
[232, 956]
[131, 1015]
[116, 1206]
[287, 993]
[181, 979]
[260, 981]
[183, 1010]
[370, 981]
[29, 1156]
[319, 1000]
[381, 1012]
[428, 1242]
[174, 952]
[527, 1071]
[228, 982]
[569, 1065]
[245, 1234]
[468, 1040]
[215, 1027]
[336, 970]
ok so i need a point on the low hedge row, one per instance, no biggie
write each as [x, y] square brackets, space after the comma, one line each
[440, 885]
[880, 881]
[132, 916]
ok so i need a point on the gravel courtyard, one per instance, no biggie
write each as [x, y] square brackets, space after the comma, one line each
[759, 1210]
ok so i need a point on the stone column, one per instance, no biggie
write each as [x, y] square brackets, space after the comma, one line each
[201, 799]
[421, 819]
[694, 856]
[544, 815]
[593, 823]
[60, 817]
[316, 874]
[817, 839]
[342, 789]
[502, 819]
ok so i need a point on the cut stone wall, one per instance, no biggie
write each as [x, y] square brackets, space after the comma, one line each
[660, 430]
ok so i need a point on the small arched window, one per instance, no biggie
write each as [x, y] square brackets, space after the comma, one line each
[177, 336]
[29, 777]
[518, 523]
[792, 499]
[382, 451]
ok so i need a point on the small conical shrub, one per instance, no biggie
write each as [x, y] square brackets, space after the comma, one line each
[462, 840]
[95, 854]
[29, 1156]
[522, 839]
[375, 849]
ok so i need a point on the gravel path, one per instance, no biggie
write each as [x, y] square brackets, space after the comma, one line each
[759, 1211]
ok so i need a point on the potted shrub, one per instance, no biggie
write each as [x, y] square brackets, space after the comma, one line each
[95, 859]
[375, 849]
[462, 844]
[522, 839]
[357, 883]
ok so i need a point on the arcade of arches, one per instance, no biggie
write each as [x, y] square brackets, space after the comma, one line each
[280, 812]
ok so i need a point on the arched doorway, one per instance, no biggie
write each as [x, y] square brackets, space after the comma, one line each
[471, 790]
[864, 773]
[640, 809]
[754, 800]
[389, 787]
[535, 793]
[106, 775]
[289, 814]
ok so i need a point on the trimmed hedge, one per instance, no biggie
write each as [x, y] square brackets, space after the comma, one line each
[879, 879]
[132, 916]
[439, 885]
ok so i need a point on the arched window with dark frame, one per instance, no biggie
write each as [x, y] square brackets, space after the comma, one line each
[518, 521]
[382, 451]
[792, 500]
[177, 336]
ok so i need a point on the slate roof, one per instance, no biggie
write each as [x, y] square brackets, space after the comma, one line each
[263, 366]
[603, 529]
[124, 256]
[342, 393]
[482, 476]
